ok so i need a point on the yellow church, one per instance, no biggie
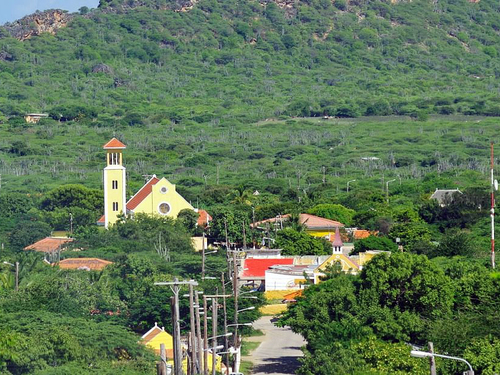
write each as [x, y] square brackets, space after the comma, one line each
[157, 197]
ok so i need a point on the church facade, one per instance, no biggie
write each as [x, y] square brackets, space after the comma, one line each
[157, 197]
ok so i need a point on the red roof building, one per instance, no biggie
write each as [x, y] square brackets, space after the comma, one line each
[311, 222]
[204, 218]
[255, 268]
[49, 244]
[142, 193]
[88, 264]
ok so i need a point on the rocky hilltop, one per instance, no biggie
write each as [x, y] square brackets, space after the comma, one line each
[40, 22]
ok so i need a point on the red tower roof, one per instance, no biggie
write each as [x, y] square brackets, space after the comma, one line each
[114, 144]
[337, 242]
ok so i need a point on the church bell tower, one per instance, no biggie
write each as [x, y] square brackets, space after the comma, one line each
[114, 182]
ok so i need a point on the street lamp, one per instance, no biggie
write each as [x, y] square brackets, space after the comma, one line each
[224, 335]
[250, 291]
[387, 189]
[247, 309]
[419, 354]
[17, 273]
[348, 182]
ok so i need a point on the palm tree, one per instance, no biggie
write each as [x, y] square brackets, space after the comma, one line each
[240, 195]
[295, 223]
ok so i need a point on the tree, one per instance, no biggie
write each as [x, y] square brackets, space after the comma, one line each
[189, 219]
[235, 218]
[400, 292]
[374, 243]
[293, 242]
[456, 242]
[335, 212]
[28, 232]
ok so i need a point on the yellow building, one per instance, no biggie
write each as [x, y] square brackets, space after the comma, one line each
[157, 336]
[315, 226]
[114, 179]
[156, 197]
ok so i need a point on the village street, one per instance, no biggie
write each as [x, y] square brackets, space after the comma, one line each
[279, 351]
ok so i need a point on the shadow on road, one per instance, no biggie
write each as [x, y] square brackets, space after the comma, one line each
[280, 365]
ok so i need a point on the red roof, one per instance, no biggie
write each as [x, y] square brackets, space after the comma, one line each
[359, 234]
[256, 268]
[310, 221]
[101, 220]
[49, 244]
[114, 144]
[316, 222]
[94, 264]
[204, 218]
[337, 242]
[142, 193]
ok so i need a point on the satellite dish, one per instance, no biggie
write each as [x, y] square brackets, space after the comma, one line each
[495, 184]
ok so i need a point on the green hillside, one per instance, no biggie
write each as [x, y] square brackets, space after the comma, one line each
[221, 62]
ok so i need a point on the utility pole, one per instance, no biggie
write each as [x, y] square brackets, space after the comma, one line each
[205, 336]
[432, 361]
[253, 227]
[161, 368]
[199, 344]
[244, 236]
[226, 340]
[235, 294]
[17, 277]
[214, 334]
[214, 319]
[175, 286]
[203, 258]
[492, 210]
[192, 357]
[176, 333]
[387, 189]
[225, 228]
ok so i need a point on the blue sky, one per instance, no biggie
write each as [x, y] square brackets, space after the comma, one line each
[11, 10]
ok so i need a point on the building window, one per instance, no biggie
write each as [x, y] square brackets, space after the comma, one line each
[115, 206]
[163, 208]
[163, 190]
[114, 158]
[114, 184]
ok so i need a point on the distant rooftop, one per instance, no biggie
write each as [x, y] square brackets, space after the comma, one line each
[49, 244]
[444, 196]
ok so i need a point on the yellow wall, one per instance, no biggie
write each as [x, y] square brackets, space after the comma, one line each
[198, 243]
[161, 338]
[166, 338]
[114, 172]
[345, 262]
[322, 233]
[151, 203]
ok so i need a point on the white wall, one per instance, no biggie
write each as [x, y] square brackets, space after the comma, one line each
[280, 281]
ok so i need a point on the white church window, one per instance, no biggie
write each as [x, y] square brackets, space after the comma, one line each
[163, 208]
[163, 190]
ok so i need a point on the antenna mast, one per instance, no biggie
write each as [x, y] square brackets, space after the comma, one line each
[492, 211]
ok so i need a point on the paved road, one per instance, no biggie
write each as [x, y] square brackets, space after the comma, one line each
[278, 353]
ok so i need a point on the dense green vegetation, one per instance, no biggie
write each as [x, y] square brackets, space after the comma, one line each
[363, 324]
[226, 100]
[239, 61]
